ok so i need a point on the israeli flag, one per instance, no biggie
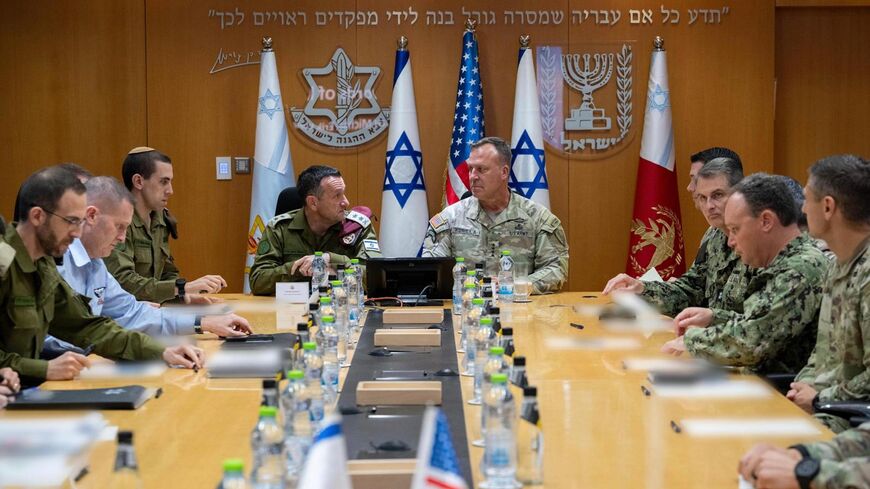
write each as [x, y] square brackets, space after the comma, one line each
[528, 175]
[273, 168]
[404, 212]
[326, 464]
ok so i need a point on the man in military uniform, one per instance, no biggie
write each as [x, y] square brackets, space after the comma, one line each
[704, 281]
[286, 250]
[699, 159]
[493, 219]
[842, 463]
[768, 315]
[36, 301]
[143, 263]
[838, 211]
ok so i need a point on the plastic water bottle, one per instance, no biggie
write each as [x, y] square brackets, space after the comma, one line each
[318, 271]
[270, 393]
[499, 465]
[234, 474]
[458, 275]
[518, 372]
[267, 445]
[326, 309]
[486, 291]
[506, 278]
[358, 271]
[297, 424]
[339, 299]
[313, 383]
[351, 287]
[506, 340]
[495, 364]
[331, 360]
[484, 339]
[495, 314]
[469, 330]
[530, 440]
[126, 472]
[467, 301]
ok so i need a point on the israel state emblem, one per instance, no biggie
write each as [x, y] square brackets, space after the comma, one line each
[665, 234]
[586, 96]
[347, 115]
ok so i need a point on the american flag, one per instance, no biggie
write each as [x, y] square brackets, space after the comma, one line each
[437, 466]
[467, 118]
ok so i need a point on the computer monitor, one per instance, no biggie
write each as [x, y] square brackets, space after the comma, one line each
[412, 280]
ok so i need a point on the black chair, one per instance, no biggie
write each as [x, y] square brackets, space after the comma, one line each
[780, 381]
[288, 200]
[856, 412]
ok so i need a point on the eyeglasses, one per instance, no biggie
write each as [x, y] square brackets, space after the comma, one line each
[72, 221]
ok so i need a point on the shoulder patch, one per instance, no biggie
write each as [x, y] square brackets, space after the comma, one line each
[358, 218]
[372, 245]
[7, 255]
[438, 221]
[263, 247]
[280, 217]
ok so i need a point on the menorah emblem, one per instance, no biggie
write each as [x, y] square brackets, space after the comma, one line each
[586, 80]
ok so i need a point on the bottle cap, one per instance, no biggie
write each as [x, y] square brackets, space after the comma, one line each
[234, 465]
[268, 411]
[486, 321]
[336, 283]
[477, 301]
[348, 271]
[478, 266]
[318, 253]
[354, 261]
[310, 345]
[314, 306]
[519, 361]
[505, 252]
[487, 280]
[470, 273]
[507, 331]
[125, 437]
[323, 289]
[301, 327]
[487, 294]
[326, 300]
[497, 378]
[470, 285]
[460, 259]
[494, 311]
[269, 384]
[331, 277]
[295, 374]
[530, 391]
[328, 319]
[496, 350]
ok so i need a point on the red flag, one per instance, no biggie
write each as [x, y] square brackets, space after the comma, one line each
[656, 230]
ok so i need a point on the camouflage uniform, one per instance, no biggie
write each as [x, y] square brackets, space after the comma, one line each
[703, 282]
[36, 301]
[532, 233]
[839, 368]
[143, 264]
[768, 316]
[845, 460]
[288, 238]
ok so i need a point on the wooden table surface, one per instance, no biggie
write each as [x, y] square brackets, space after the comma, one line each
[600, 430]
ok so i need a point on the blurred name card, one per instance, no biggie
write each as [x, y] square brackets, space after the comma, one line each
[742, 427]
[600, 343]
[716, 389]
[291, 292]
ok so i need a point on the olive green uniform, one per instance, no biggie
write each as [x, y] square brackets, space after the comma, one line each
[36, 301]
[143, 263]
[288, 238]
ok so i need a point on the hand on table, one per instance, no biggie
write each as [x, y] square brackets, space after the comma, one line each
[226, 325]
[209, 284]
[304, 265]
[624, 283]
[66, 366]
[675, 347]
[802, 394]
[769, 467]
[184, 356]
[692, 317]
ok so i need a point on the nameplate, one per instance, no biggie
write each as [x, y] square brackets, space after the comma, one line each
[291, 292]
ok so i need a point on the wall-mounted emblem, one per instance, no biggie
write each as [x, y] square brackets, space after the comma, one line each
[342, 110]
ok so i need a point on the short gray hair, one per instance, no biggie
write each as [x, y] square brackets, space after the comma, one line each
[502, 148]
[727, 167]
[768, 192]
[107, 192]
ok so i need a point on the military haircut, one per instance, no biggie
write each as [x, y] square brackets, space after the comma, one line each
[846, 178]
[768, 192]
[309, 180]
[107, 192]
[730, 168]
[797, 192]
[708, 154]
[141, 163]
[45, 188]
[502, 148]
[79, 171]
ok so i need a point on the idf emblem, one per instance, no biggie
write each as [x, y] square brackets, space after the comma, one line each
[586, 99]
[664, 234]
[341, 112]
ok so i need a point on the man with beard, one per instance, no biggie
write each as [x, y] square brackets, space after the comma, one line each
[36, 301]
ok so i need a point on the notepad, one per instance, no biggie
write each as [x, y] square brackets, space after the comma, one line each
[742, 427]
[119, 370]
[659, 364]
[600, 343]
[715, 389]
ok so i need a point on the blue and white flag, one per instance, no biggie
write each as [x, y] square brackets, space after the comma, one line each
[528, 170]
[326, 464]
[437, 465]
[404, 211]
[273, 168]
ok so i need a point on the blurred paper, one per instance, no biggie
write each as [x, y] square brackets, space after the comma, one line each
[292, 292]
[743, 483]
[651, 275]
[716, 389]
[741, 427]
[601, 343]
[662, 364]
[244, 363]
[108, 370]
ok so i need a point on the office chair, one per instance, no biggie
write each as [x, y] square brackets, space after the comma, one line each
[856, 412]
[288, 200]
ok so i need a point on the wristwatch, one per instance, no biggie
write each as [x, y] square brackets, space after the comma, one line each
[179, 285]
[197, 325]
[807, 469]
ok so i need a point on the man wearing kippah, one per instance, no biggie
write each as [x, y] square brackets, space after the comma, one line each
[143, 263]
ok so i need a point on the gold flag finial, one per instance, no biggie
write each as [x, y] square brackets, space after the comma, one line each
[402, 44]
[267, 44]
[658, 44]
[470, 25]
[524, 41]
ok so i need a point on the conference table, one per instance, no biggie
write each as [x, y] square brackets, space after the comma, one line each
[604, 425]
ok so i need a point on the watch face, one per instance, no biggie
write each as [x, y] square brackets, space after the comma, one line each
[807, 468]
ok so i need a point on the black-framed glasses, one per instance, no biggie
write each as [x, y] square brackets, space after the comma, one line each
[72, 221]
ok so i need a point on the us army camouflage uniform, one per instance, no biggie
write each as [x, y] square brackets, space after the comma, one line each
[839, 368]
[845, 460]
[143, 263]
[703, 282]
[768, 316]
[36, 301]
[288, 238]
[532, 233]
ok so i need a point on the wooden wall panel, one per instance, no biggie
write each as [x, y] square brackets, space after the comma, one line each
[72, 78]
[823, 85]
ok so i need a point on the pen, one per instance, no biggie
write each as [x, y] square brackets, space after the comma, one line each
[89, 349]
[675, 427]
[646, 392]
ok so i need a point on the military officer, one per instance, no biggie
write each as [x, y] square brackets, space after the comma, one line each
[286, 250]
[143, 263]
[768, 317]
[838, 211]
[36, 301]
[699, 159]
[494, 219]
